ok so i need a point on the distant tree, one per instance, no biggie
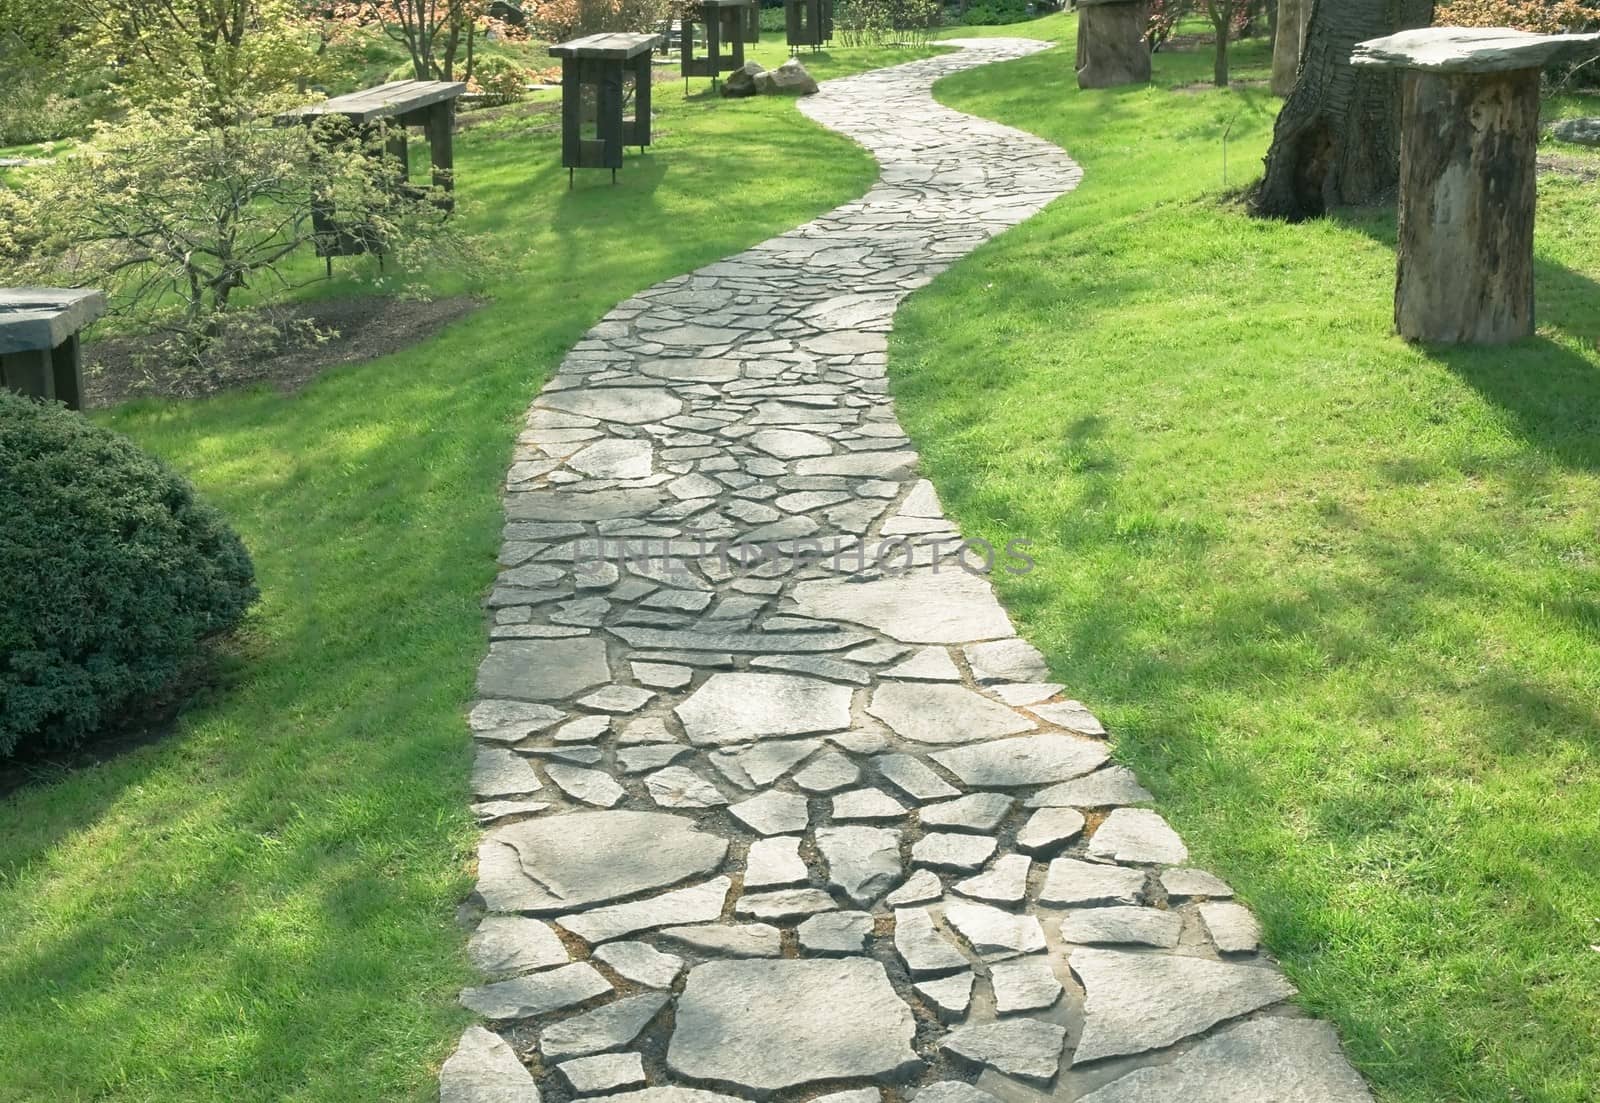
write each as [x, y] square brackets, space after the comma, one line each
[1337, 139]
[1228, 20]
[1164, 18]
[436, 33]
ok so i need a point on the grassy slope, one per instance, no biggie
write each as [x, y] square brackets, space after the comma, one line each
[261, 905]
[1336, 596]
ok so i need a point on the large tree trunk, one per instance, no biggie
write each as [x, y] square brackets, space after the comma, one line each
[1337, 141]
[1286, 41]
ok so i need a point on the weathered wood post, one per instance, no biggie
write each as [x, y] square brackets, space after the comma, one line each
[1292, 16]
[752, 21]
[1468, 177]
[39, 352]
[1111, 43]
[807, 23]
[604, 61]
[724, 23]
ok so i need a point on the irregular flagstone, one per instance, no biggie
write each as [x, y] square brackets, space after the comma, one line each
[1024, 1048]
[1232, 928]
[921, 947]
[783, 904]
[947, 850]
[773, 813]
[949, 996]
[980, 812]
[863, 862]
[1006, 882]
[729, 939]
[674, 1095]
[867, 804]
[774, 861]
[696, 904]
[484, 1069]
[1012, 660]
[504, 945]
[605, 1028]
[992, 931]
[543, 670]
[536, 994]
[921, 887]
[1023, 984]
[1137, 835]
[835, 933]
[944, 714]
[1270, 1060]
[1072, 882]
[589, 786]
[603, 1073]
[1185, 883]
[497, 772]
[681, 787]
[914, 777]
[1113, 925]
[1048, 829]
[768, 1025]
[587, 858]
[1137, 1001]
[732, 708]
[641, 963]
[625, 405]
[1114, 785]
[950, 606]
[1024, 760]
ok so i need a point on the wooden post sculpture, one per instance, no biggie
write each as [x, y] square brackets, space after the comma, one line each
[1468, 190]
[752, 22]
[39, 354]
[807, 23]
[1111, 43]
[724, 23]
[390, 109]
[603, 61]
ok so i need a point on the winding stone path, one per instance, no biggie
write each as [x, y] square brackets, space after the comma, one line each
[815, 822]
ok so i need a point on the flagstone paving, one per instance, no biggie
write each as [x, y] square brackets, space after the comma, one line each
[777, 804]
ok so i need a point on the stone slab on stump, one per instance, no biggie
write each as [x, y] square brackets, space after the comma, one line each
[1468, 177]
[1111, 43]
[764, 1025]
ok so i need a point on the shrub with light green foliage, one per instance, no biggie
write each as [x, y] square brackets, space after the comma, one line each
[115, 575]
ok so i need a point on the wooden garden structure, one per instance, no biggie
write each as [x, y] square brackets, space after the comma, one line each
[808, 23]
[1111, 43]
[1469, 136]
[39, 352]
[724, 24]
[387, 112]
[604, 62]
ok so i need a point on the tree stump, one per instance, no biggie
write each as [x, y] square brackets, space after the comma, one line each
[1111, 43]
[1468, 184]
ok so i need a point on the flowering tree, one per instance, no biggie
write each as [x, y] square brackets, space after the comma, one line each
[1542, 16]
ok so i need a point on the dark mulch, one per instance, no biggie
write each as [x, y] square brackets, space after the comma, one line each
[367, 327]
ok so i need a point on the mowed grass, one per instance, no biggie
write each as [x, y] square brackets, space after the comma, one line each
[260, 906]
[1337, 597]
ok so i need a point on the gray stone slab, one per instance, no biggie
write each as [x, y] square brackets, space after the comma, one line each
[1006, 882]
[735, 708]
[980, 813]
[838, 932]
[610, 1027]
[543, 670]
[944, 713]
[1071, 882]
[1141, 1001]
[1049, 829]
[862, 862]
[989, 930]
[588, 858]
[536, 994]
[640, 963]
[1121, 925]
[1232, 928]
[768, 1025]
[773, 813]
[696, 904]
[729, 939]
[948, 850]
[1269, 1060]
[603, 1073]
[922, 948]
[1024, 760]
[1024, 984]
[866, 805]
[497, 772]
[920, 607]
[594, 787]
[774, 861]
[783, 904]
[1137, 835]
[921, 887]
[950, 997]
[505, 945]
[1185, 884]
[622, 405]
[681, 787]
[914, 777]
[1472, 50]
[1026, 1049]
[485, 1069]
[1013, 660]
[1112, 786]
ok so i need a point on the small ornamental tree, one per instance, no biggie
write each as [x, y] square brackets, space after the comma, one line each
[1540, 16]
[440, 35]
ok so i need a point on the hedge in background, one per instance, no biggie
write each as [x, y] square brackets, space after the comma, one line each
[114, 574]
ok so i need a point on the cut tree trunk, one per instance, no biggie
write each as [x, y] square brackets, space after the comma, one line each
[1286, 41]
[1468, 192]
[1337, 140]
[1111, 43]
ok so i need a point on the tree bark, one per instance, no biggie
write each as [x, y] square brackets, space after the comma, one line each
[1468, 192]
[1286, 42]
[1111, 43]
[1337, 141]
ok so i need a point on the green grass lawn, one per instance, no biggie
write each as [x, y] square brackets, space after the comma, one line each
[261, 905]
[1337, 597]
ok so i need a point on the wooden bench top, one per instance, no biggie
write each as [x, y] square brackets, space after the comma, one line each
[616, 46]
[398, 97]
[43, 317]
